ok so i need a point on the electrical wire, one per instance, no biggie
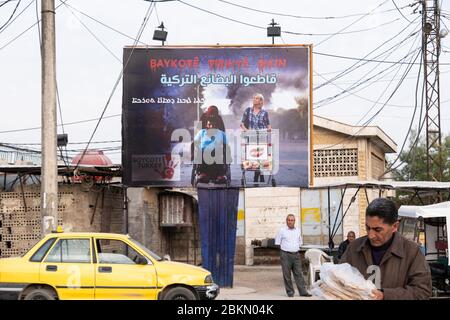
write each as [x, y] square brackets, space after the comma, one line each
[104, 24]
[12, 15]
[68, 123]
[5, 2]
[329, 100]
[408, 69]
[17, 15]
[306, 17]
[332, 99]
[389, 84]
[157, 16]
[348, 26]
[365, 124]
[69, 143]
[283, 31]
[412, 118]
[364, 60]
[93, 35]
[140, 32]
[400, 11]
[27, 29]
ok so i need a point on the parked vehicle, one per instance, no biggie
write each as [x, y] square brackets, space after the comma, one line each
[427, 225]
[100, 266]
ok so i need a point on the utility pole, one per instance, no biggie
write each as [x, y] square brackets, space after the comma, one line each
[49, 169]
[431, 48]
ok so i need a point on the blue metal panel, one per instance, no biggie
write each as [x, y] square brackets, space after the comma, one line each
[218, 220]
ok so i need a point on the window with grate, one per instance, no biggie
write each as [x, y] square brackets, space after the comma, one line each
[175, 210]
[335, 163]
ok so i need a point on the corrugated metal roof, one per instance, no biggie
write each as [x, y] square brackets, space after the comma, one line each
[98, 170]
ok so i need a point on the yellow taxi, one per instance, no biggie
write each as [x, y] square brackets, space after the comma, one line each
[100, 266]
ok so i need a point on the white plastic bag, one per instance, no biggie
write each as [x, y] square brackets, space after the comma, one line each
[342, 282]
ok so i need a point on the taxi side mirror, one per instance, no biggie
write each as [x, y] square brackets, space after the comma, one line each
[141, 260]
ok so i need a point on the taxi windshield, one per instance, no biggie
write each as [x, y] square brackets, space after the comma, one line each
[149, 252]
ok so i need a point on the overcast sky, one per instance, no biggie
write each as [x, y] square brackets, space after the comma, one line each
[87, 71]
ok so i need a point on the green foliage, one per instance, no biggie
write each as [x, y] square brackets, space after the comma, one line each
[414, 167]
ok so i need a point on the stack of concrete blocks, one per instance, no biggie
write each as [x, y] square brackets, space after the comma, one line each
[80, 209]
[20, 220]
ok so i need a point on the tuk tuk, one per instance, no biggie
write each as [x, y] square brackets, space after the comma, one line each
[427, 225]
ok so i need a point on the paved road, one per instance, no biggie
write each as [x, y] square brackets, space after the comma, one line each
[257, 283]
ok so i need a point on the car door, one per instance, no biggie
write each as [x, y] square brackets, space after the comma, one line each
[118, 274]
[68, 267]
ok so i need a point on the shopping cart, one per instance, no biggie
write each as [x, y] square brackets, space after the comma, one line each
[257, 156]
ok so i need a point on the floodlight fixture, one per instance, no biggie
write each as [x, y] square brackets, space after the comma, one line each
[274, 30]
[160, 35]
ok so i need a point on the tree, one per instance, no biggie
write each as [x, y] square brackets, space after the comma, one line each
[414, 160]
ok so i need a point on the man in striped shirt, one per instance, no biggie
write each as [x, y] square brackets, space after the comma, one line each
[289, 239]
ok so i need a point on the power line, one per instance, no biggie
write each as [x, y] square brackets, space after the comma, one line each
[365, 124]
[68, 123]
[401, 81]
[93, 35]
[264, 28]
[348, 26]
[157, 16]
[17, 16]
[361, 62]
[140, 32]
[104, 24]
[12, 15]
[4, 2]
[359, 83]
[69, 143]
[367, 60]
[408, 69]
[351, 81]
[400, 11]
[306, 17]
[29, 28]
[327, 101]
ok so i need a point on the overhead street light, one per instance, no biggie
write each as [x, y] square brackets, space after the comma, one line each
[160, 35]
[274, 30]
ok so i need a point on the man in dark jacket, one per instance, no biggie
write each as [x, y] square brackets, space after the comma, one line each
[396, 264]
[343, 246]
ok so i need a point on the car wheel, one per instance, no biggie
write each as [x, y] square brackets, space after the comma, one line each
[180, 293]
[40, 294]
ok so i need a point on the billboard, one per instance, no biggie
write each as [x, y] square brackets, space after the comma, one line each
[214, 116]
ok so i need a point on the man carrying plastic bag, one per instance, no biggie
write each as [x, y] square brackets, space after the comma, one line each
[395, 264]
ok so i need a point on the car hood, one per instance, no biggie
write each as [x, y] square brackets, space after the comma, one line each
[179, 266]
[176, 272]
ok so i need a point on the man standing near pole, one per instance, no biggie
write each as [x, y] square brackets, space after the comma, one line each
[289, 239]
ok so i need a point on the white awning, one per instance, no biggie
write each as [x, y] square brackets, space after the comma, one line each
[438, 210]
